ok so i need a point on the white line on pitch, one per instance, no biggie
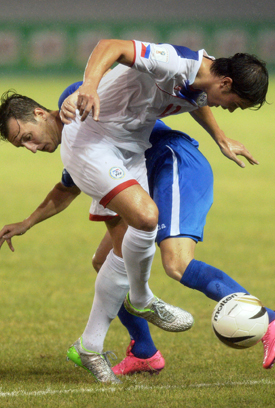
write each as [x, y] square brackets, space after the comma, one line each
[50, 391]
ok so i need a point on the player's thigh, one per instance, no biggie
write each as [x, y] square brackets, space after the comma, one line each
[99, 169]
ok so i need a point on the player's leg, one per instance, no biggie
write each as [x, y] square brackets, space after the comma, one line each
[111, 288]
[211, 281]
[193, 195]
[133, 204]
[183, 192]
[140, 213]
[138, 328]
[141, 354]
[102, 251]
[112, 281]
[179, 263]
[112, 185]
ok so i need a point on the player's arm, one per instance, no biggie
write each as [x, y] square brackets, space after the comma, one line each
[229, 147]
[104, 55]
[59, 198]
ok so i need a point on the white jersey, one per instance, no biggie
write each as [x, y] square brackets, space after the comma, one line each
[131, 99]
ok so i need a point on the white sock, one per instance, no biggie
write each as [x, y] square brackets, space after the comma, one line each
[138, 249]
[111, 287]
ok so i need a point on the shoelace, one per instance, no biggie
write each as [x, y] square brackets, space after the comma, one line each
[109, 354]
[163, 313]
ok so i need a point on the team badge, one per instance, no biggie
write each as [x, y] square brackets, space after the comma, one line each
[117, 173]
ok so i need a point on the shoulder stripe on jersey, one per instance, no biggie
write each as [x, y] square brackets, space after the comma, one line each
[185, 52]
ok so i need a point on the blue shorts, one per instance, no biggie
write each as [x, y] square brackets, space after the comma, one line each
[181, 184]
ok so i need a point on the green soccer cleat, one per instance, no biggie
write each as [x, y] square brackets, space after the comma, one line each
[163, 315]
[97, 364]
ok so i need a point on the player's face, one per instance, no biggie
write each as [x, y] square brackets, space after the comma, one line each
[220, 94]
[227, 100]
[34, 136]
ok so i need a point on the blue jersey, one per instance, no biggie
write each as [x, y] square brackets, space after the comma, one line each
[180, 180]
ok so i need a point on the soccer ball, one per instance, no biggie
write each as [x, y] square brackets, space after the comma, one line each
[239, 320]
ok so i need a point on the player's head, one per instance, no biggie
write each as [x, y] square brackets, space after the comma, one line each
[248, 74]
[23, 122]
[18, 107]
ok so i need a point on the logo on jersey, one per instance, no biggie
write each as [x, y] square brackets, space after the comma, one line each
[160, 54]
[161, 227]
[116, 173]
[145, 50]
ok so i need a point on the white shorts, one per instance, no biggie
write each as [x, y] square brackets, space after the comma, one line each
[102, 170]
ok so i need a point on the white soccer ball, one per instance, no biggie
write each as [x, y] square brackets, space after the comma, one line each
[239, 320]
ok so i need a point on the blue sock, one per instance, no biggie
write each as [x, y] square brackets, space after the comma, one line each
[213, 282]
[138, 329]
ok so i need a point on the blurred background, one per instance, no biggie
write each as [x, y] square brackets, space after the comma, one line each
[38, 36]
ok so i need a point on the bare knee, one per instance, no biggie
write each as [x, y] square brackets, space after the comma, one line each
[174, 270]
[146, 219]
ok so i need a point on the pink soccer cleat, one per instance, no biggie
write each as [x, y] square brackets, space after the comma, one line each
[131, 364]
[269, 346]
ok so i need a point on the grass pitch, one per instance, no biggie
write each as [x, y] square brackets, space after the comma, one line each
[47, 284]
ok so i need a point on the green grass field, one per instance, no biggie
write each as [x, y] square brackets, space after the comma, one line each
[47, 284]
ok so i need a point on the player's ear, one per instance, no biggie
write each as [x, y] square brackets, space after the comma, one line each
[226, 84]
[40, 113]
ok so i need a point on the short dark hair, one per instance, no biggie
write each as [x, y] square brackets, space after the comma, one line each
[16, 106]
[249, 76]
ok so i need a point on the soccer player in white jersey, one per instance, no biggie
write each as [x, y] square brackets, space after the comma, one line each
[104, 153]
[221, 92]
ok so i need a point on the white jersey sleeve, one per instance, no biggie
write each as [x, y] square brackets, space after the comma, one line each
[165, 61]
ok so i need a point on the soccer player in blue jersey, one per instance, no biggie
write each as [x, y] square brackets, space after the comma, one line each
[181, 184]
[175, 154]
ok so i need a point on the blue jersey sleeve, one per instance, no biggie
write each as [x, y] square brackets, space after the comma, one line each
[67, 92]
[66, 179]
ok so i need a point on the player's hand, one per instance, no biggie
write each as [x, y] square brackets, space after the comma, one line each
[9, 231]
[232, 148]
[88, 101]
[68, 109]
